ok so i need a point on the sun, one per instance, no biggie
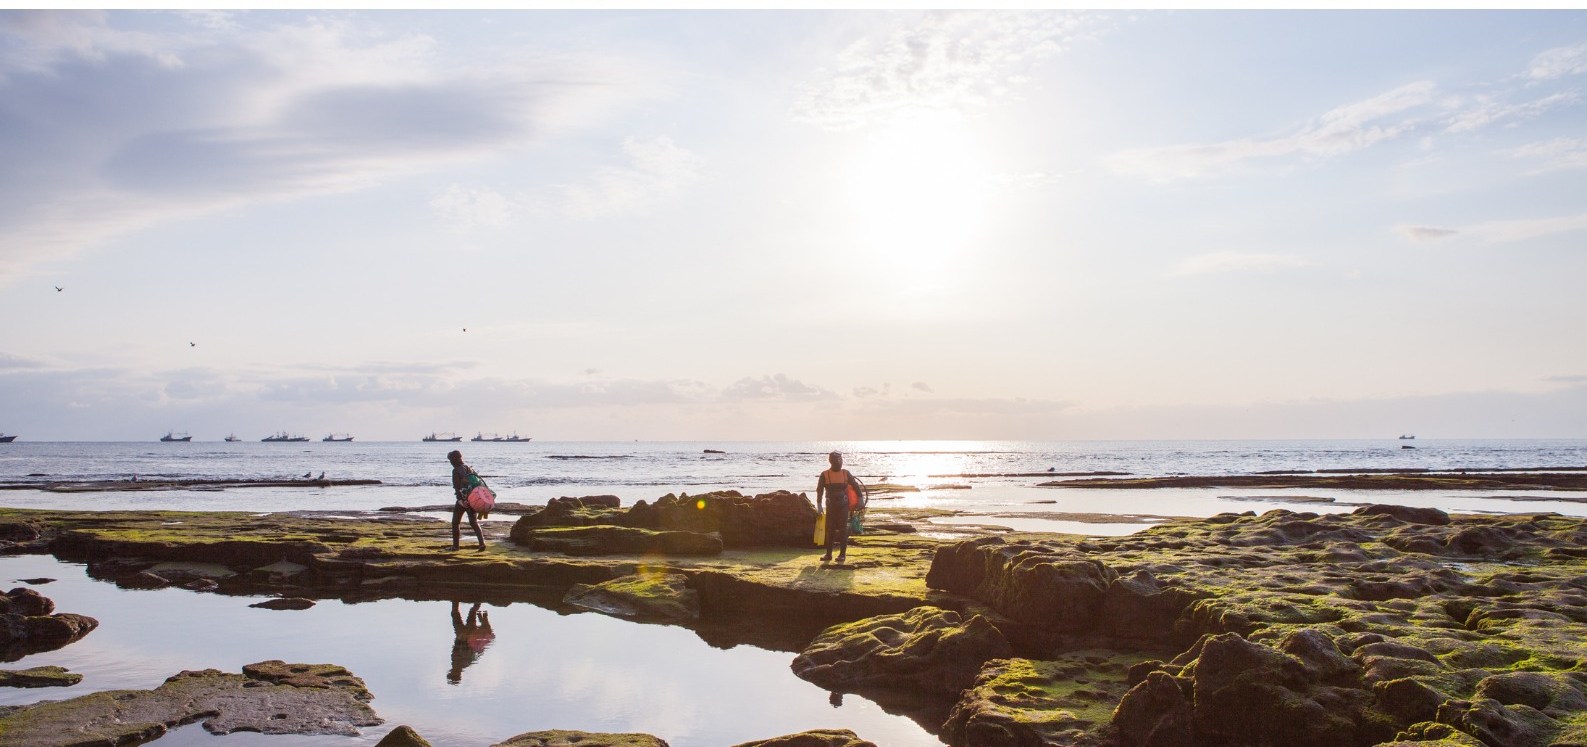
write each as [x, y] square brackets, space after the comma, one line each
[917, 189]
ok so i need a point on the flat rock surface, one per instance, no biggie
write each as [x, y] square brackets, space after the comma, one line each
[269, 697]
[39, 677]
[560, 738]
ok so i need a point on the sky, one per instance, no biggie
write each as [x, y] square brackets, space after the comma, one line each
[757, 225]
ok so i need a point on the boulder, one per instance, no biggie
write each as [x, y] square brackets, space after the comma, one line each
[1498, 724]
[560, 738]
[591, 510]
[925, 649]
[402, 736]
[1248, 693]
[779, 519]
[21, 635]
[614, 540]
[654, 596]
[26, 602]
[1141, 610]
[269, 697]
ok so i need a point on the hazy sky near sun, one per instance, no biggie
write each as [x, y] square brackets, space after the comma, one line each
[794, 225]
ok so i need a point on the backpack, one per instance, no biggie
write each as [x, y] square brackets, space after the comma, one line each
[480, 497]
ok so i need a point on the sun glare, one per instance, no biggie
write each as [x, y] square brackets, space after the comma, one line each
[917, 189]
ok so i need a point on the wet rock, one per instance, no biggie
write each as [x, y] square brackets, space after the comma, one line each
[143, 580]
[201, 584]
[1553, 694]
[1408, 514]
[1247, 693]
[1142, 610]
[778, 519]
[646, 596]
[591, 510]
[39, 677]
[25, 602]
[284, 603]
[925, 649]
[559, 738]
[402, 736]
[1410, 699]
[1029, 582]
[14, 530]
[1156, 713]
[37, 581]
[21, 635]
[1017, 702]
[613, 540]
[1429, 734]
[814, 738]
[1497, 724]
[275, 698]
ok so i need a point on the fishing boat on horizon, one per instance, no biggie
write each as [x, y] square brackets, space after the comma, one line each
[338, 437]
[481, 437]
[516, 439]
[1407, 436]
[172, 436]
[441, 437]
[283, 437]
[232, 437]
[5, 439]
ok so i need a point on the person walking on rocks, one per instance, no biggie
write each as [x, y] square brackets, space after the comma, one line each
[837, 493]
[461, 484]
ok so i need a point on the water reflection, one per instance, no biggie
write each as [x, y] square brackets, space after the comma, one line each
[470, 638]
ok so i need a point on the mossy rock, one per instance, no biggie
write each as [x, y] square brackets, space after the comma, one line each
[814, 738]
[1067, 701]
[50, 676]
[654, 596]
[925, 649]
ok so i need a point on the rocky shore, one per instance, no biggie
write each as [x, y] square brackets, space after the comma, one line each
[1385, 626]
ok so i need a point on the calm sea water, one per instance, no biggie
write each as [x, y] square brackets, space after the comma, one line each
[549, 670]
[414, 473]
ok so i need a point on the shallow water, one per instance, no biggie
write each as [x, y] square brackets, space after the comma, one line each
[543, 670]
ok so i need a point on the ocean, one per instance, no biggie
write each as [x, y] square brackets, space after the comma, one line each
[974, 478]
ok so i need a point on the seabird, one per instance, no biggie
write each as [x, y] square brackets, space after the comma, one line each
[321, 477]
[192, 344]
[307, 475]
[58, 289]
[465, 329]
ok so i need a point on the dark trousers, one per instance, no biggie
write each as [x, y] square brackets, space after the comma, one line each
[838, 523]
[458, 509]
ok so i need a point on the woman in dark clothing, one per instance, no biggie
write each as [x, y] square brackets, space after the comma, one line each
[469, 639]
[460, 488]
[833, 496]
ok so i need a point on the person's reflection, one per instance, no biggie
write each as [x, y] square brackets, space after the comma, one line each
[469, 639]
[836, 699]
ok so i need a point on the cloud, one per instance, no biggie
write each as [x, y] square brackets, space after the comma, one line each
[1425, 233]
[777, 386]
[1224, 262]
[1342, 130]
[653, 169]
[1506, 231]
[1558, 154]
[1485, 110]
[467, 208]
[921, 386]
[1572, 379]
[11, 362]
[940, 60]
[1558, 63]
[106, 131]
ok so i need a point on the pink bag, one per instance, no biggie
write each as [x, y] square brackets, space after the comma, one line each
[482, 500]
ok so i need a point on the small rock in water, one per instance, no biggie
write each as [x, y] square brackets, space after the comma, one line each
[36, 581]
[402, 736]
[39, 677]
[285, 603]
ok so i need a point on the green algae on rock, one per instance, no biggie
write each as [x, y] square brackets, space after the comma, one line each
[925, 649]
[1066, 701]
[646, 595]
[39, 677]
[268, 697]
[813, 738]
[561, 738]
[403, 736]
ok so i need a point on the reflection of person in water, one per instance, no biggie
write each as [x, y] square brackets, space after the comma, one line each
[469, 639]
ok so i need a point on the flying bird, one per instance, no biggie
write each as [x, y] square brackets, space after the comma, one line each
[307, 475]
[58, 289]
[192, 344]
[465, 329]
